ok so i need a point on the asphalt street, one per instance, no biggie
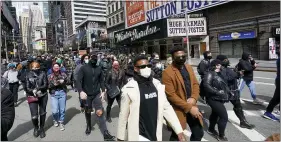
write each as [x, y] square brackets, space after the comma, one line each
[75, 122]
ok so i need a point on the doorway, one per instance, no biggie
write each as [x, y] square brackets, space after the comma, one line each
[194, 49]
[163, 51]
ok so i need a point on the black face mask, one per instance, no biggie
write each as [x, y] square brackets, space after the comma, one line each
[225, 63]
[36, 71]
[93, 62]
[209, 57]
[180, 60]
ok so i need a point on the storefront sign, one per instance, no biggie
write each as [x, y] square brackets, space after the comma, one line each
[135, 12]
[237, 35]
[272, 49]
[134, 34]
[138, 13]
[177, 27]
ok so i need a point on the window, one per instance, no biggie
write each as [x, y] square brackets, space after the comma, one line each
[108, 10]
[122, 16]
[116, 4]
[112, 8]
[113, 20]
[109, 21]
[117, 18]
[92, 7]
[90, 11]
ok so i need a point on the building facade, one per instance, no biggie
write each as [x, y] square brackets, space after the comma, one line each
[115, 19]
[248, 29]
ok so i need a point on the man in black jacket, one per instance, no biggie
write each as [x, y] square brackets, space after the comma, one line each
[231, 77]
[7, 112]
[247, 65]
[90, 85]
[203, 68]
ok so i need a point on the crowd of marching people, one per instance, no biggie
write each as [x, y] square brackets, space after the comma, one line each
[147, 90]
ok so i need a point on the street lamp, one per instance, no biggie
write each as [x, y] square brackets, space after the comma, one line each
[13, 31]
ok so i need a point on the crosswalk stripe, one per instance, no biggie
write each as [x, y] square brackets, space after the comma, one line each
[252, 135]
[248, 100]
[188, 133]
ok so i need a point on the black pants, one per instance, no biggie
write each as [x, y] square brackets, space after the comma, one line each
[41, 104]
[218, 116]
[276, 97]
[14, 88]
[195, 127]
[110, 102]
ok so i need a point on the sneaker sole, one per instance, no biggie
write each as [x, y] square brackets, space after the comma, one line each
[268, 118]
[213, 135]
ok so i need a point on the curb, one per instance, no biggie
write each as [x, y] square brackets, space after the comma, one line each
[258, 69]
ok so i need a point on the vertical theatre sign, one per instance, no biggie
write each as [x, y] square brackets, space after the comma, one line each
[177, 27]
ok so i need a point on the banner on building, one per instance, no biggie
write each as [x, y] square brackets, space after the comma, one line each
[272, 49]
[142, 12]
[177, 27]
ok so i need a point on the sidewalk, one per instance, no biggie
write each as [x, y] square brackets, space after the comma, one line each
[267, 66]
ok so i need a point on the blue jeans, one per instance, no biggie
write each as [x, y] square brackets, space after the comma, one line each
[58, 103]
[251, 86]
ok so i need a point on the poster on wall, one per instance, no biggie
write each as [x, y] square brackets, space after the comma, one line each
[142, 12]
[177, 27]
[272, 49]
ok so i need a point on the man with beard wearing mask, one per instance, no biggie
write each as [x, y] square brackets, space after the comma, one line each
[202, 69]
[247, 65]
[231, 77]
[90, 85]
[182, 90]
[144, 106]
[157, 67]
[276, 97]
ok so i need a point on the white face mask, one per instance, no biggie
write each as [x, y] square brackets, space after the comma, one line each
[159, 65]
[86, 61]
[146, 72]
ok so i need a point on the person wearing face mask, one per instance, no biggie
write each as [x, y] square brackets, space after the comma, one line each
[37, 85]
[113, 82]
[182, 90]
[13, 78]
[202, 69]
[157, 67]
[144, 106]
[217, 93]
[247, 65]
[57, 81]
[84, 60]
[231, 77]
[90, 85]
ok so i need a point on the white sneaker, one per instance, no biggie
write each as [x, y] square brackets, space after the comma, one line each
[62, 128]
[56, 124]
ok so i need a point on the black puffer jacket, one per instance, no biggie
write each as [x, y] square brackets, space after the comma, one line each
[204, 66]
[213, 84]
[36, 81]
[114, 79]
[247, 66]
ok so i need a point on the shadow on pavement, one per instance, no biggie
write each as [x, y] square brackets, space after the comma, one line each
[115, 111]
[265, 98]
[68, 97]
[69, 114]
[248, 105]
[21, 100]
[20, 130]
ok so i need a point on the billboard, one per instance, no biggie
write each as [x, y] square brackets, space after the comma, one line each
[142, 12]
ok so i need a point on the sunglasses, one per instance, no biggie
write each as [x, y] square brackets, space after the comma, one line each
[181, 56]
[144, 66]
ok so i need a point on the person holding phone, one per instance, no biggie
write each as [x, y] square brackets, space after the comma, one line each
[57, 88]
[36, 91]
